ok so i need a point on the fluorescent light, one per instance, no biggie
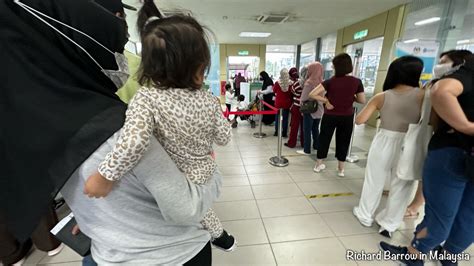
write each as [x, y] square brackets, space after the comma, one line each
[255, 34]
[427, 21]
[411, 41]
[463, 41]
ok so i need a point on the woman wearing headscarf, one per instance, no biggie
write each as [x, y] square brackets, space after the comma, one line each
[314, 77]
[282, 100]
[62, 76]
[296, 117]
[268, 96]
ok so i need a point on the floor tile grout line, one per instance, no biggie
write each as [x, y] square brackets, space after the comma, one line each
[264, 227]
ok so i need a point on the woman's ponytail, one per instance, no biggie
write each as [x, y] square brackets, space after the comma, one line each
[147, 11]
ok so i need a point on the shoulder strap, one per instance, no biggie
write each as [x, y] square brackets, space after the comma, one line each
[426, 108]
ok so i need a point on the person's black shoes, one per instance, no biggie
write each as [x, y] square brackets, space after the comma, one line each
[401, 253]
[386, 233]
[225, 242]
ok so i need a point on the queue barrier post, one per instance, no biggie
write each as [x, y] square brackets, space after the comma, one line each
[279, 160]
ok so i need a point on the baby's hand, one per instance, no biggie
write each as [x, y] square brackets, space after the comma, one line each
[97, 186]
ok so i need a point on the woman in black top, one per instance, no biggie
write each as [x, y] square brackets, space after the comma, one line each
[448, 173]
[268, 96]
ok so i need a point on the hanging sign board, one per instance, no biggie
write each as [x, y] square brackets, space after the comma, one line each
[361, 34]
[243, 52]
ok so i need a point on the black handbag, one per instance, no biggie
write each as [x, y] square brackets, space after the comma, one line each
[309, 107]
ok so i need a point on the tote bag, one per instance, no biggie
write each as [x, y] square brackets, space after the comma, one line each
[415, 144]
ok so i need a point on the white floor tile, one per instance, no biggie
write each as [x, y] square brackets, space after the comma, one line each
[284, 207]
[291, 228]
[34, 257]
[276, 191]
[256, 161]
[271, 178]
[236, 210]
[327, 251]
[344, 223]
[247, 255]
[235, 180]
[323, 187]
[355, 185]
[336, 204]
[308, 176]
[232, 170]
[247, 232]
[236, 193]
[263, 169]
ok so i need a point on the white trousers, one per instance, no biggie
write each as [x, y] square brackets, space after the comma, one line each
[381, 162]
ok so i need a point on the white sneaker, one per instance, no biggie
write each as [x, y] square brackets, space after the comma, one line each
[340, 173]
[19, 263]
[319, 168]
[302, 152]
[56, 251]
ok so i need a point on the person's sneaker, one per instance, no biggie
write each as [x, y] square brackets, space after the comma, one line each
[225, 242]
[440, 251]
[340, 173]
[385, 233]
[319, 168]
[400, 252]
[252, 124]
[56, 251]
[302, 152]
[275, 134]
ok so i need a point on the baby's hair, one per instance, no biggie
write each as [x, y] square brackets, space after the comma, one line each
[175, 49]
[241, 98]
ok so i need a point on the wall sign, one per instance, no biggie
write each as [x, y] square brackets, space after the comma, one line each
[425, 50]
[361, 34]
[243, 52]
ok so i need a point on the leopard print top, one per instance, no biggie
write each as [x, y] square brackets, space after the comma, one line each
[186, 123]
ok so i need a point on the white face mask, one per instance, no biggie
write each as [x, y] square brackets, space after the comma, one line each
[118, 77]
[441, 69]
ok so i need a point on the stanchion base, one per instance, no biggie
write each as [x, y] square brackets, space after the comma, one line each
[279, 161]
[352, 158]
[259, 135]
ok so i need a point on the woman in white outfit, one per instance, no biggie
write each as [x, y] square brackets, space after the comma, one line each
[399, 105]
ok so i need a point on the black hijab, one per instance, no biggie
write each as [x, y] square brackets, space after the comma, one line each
[267, 81]
[56, 106]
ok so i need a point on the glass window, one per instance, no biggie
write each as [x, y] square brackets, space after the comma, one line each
[366, 59]
[279, 57]
[308, 53]
[328, 51]
[451, 22]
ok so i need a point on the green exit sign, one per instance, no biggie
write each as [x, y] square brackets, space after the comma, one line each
[244, 52]
[361, 34]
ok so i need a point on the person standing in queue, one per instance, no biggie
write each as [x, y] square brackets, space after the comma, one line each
[341, 91]
[448, 175]
[399, 105]
[296, 124]
[282, 101]
[448, 61]
[314, 77]
[268, 96]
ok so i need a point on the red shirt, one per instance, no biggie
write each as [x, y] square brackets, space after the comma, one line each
[341, 92]
[283, 99]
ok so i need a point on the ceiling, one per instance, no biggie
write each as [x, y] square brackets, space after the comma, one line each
[308, 20]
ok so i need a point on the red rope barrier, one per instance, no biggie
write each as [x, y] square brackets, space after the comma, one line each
[271, 107]
[268, 112]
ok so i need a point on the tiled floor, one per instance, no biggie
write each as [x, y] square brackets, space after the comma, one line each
[266, 209]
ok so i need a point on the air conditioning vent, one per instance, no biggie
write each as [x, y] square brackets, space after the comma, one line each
[176, 12]
[275, 19]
